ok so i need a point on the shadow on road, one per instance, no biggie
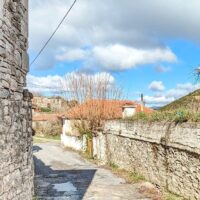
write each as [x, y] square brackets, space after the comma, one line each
[36, 148]
[69, 184]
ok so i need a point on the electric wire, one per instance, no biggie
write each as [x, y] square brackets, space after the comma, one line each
[42, 49]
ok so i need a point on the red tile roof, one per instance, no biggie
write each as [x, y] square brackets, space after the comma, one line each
[144, 109]
[106, 109]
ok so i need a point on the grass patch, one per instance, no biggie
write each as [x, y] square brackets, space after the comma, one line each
[55, 137]
[51, 137]
[113, 166]
[86, 156]
[135, 177]
[41, 139]
[170, 196]
[129, 176]
[177, 116]
[37, 140]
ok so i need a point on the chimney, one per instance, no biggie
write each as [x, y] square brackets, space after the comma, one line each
[142, 103]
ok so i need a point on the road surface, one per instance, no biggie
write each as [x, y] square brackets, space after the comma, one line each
[65, 175]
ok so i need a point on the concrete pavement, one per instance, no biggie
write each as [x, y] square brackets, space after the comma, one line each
[65, 175]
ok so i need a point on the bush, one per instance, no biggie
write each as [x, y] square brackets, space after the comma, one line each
[178, 116]
[45, 109]
[46, 128]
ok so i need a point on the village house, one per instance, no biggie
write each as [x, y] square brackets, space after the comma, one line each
[46, 112]
[53, 104]
[104, 109]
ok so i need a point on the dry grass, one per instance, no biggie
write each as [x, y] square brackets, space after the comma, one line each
[151, 192]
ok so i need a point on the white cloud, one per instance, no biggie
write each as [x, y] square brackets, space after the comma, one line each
[119, 57]
[163, 98]
[72, 55]
[116, 57]
[156, 86]
[158, 100]
[61, 84]
[139, 27]
[187, 86]
[44, 84]
[95, 22]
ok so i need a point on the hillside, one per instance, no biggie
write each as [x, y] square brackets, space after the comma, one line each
[189, 102]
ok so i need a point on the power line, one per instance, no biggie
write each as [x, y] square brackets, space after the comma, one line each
[42, 49]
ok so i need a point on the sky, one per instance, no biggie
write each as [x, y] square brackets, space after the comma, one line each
[150, 47]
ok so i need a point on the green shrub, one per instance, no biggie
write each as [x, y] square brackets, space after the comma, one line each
[135, 177]
[182, 116]
[113, 166]
[196, 117]
[177, 116]
[140, 116]
[45, 109]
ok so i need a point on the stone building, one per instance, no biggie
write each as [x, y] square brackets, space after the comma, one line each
[55, 104]
[16, 163]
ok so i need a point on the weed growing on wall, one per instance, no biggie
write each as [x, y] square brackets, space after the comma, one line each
[177, 116]
[170, 196]
[129, 176]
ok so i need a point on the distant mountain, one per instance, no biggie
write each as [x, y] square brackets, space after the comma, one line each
[189, 102]
[156, 107]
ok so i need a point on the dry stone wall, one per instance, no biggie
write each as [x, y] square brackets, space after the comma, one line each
[16, 164]
[166, 154]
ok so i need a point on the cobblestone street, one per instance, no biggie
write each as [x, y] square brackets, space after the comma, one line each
[62, 174]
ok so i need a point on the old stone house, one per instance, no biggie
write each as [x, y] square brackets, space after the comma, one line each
[55, 104]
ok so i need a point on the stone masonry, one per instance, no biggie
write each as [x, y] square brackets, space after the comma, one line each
[16, 163]
[167, 154]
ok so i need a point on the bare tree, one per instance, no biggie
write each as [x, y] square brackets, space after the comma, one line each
[196, 73]
[97, 96]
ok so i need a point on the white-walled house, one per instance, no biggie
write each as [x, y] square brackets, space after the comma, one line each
[113, 109]
[70, 137]
[128, 111]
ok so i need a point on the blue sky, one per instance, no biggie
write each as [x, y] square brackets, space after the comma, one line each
[149, 51]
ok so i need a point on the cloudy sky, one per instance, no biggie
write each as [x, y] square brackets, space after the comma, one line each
[149, 47]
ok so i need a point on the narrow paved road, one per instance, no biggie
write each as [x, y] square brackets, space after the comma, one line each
[64, 175]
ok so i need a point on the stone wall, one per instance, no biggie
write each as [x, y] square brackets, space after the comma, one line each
[16, 164]
[166, 154]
